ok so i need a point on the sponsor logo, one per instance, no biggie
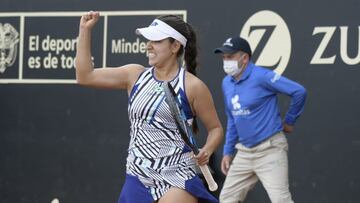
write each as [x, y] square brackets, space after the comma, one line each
[228, 42]
[321, 55]
[158, 89]
[269, 38]
[43, 56]
[122, 46]
[154, 24]
[275, 78]
[9, 38]
[235, 102]
[237, 110]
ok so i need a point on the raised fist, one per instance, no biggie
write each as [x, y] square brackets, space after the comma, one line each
[89, 19]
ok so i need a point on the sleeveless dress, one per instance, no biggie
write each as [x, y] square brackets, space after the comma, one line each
[157, 158]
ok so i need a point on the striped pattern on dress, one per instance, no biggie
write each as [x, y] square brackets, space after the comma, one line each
[157, 155]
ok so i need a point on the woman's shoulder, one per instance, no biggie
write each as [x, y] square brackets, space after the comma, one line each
[134, 70]
[194, 84]
[133, 67]
[192, 80]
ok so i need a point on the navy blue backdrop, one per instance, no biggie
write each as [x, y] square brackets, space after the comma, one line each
[60, 142]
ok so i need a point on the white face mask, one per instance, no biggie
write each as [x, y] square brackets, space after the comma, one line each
[231, 67]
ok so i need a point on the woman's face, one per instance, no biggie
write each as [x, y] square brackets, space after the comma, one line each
[160, 52]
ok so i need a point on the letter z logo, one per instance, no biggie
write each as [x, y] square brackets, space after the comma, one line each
[270, 40]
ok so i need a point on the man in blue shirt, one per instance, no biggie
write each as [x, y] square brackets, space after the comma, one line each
[255, 146]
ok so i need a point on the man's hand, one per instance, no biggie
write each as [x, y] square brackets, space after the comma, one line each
[288, 128]
[225, 164]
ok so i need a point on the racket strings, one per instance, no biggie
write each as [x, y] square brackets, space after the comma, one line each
[184, 125]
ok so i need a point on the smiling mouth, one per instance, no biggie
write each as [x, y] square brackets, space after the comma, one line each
[151, 55]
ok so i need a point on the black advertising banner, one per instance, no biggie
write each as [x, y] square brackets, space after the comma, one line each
[65, 143]
[41, 47]
[49, 53]
[124, 46]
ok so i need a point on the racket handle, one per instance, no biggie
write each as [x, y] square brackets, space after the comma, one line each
[208, 177]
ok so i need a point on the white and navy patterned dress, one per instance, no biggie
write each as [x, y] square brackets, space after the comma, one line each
[157, 154]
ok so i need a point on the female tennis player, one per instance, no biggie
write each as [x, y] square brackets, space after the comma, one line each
[160, 167]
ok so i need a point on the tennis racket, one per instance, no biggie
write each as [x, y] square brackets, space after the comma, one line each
[185, 130]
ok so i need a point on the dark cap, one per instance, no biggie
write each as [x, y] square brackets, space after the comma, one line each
[234, 44]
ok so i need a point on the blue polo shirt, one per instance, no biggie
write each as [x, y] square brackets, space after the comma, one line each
[251, 106]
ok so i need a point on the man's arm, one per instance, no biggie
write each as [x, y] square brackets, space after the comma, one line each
[297, 92]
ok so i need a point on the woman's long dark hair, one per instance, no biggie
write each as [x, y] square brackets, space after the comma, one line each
[191, 50]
